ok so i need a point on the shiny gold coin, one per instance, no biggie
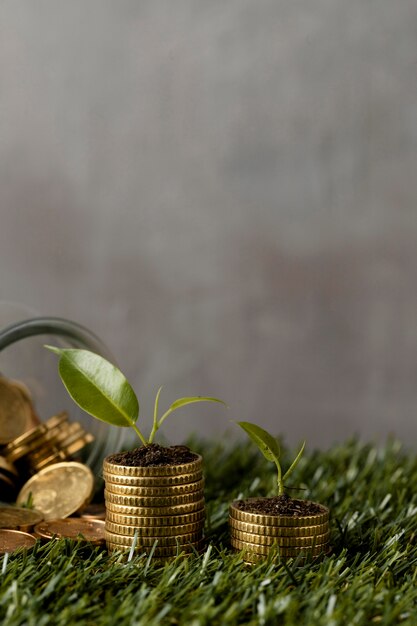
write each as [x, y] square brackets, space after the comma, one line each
[59, 490]
[153, 470]
[157, 481]
[284, 552]
[150, 531]
[135, 520]
[159, 511]
[174, 490]
[39, 464]
[279, 520]
[163, 542]
[165, 520]
[288, 542]
[187, 548]
[11, 540]
[94, 511]
[19, 518]
[72, 528]
[15, 412]
[35, 438]
[71, 448]
[279, 531]
[25, 439]
[153, 502]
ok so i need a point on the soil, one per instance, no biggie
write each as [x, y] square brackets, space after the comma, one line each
[279, 505]
[154, 455]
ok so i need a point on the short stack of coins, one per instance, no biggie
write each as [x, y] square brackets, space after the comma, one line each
[287, 536]
[155, 508]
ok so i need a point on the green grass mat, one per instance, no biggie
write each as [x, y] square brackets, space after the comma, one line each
[369, 579]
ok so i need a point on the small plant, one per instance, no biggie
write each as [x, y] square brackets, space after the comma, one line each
[270, 448]
[101, 390]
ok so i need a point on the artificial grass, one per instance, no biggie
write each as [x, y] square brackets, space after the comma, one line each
[369, 579]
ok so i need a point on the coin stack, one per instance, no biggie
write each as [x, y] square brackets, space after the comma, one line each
[158, 508]
[257, 535]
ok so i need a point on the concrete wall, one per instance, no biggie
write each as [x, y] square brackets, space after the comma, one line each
[225, 192]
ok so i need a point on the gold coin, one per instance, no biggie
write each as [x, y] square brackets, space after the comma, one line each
[7, 467]
[174, 490]
[284, 552]
[278, 531]
[157, 481]
[25, 439]
[15, 412]
[71, 448]
[151, 531]
[35, 438]
[59, 490]
[279, 520]
[153, 470]
[170, 521]
[73, 528]
[158, 551]
[11, 540]
[159, 511]
[152, 502]
[134, 520]
[163, 541]
[17, 518]
[39, 463]
[93, 511]
[288, 542]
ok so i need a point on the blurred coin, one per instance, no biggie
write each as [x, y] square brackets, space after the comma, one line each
[153, 470]
[279, 520]
[289, 542]
[93, 511]
[11, 540]
[163, 542]
[59, 490]
[72, 528]
[150, 531]
[284, 552]
[19, 518]
[279, 531]
[159, 511]
[171, 490]
[135, 520]
[153, 502]
[15, 412]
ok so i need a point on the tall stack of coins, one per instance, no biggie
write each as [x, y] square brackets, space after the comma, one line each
[159, 508]
[288, 535]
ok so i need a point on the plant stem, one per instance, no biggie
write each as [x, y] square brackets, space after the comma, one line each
[139, 434]
[281, 490]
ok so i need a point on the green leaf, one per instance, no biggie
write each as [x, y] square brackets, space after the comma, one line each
[184, 401]
[295, 462]
[97, 386]
[266, 443]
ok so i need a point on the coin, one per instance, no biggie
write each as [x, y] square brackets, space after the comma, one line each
[158, 551]
[163, 520]
[153, 470]
[59, 490]
[160, 481]
[93, 511]
[265, 550]
[135, 520]
[150, 531]
[72, 528]
[174, 490]
[8, 468]
[289, 542]
[11, 540]
[279, 520]
[279, 531]
[148, 541]
[152, 502]
[145, 511]
[15, 412]
[19, 518]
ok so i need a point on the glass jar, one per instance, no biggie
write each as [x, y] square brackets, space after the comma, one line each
[23, 357]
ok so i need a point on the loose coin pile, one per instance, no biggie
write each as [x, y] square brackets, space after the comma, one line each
[72, 528]
[28, 446]
[158, 508]
[289, 536]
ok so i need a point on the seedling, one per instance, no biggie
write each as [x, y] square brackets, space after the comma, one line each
[270, 448]
[100, 389]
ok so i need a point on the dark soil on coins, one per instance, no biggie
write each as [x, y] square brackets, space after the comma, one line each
[279, 505]
[154, 455]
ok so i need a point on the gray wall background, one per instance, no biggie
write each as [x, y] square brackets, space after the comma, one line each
[225, 192]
